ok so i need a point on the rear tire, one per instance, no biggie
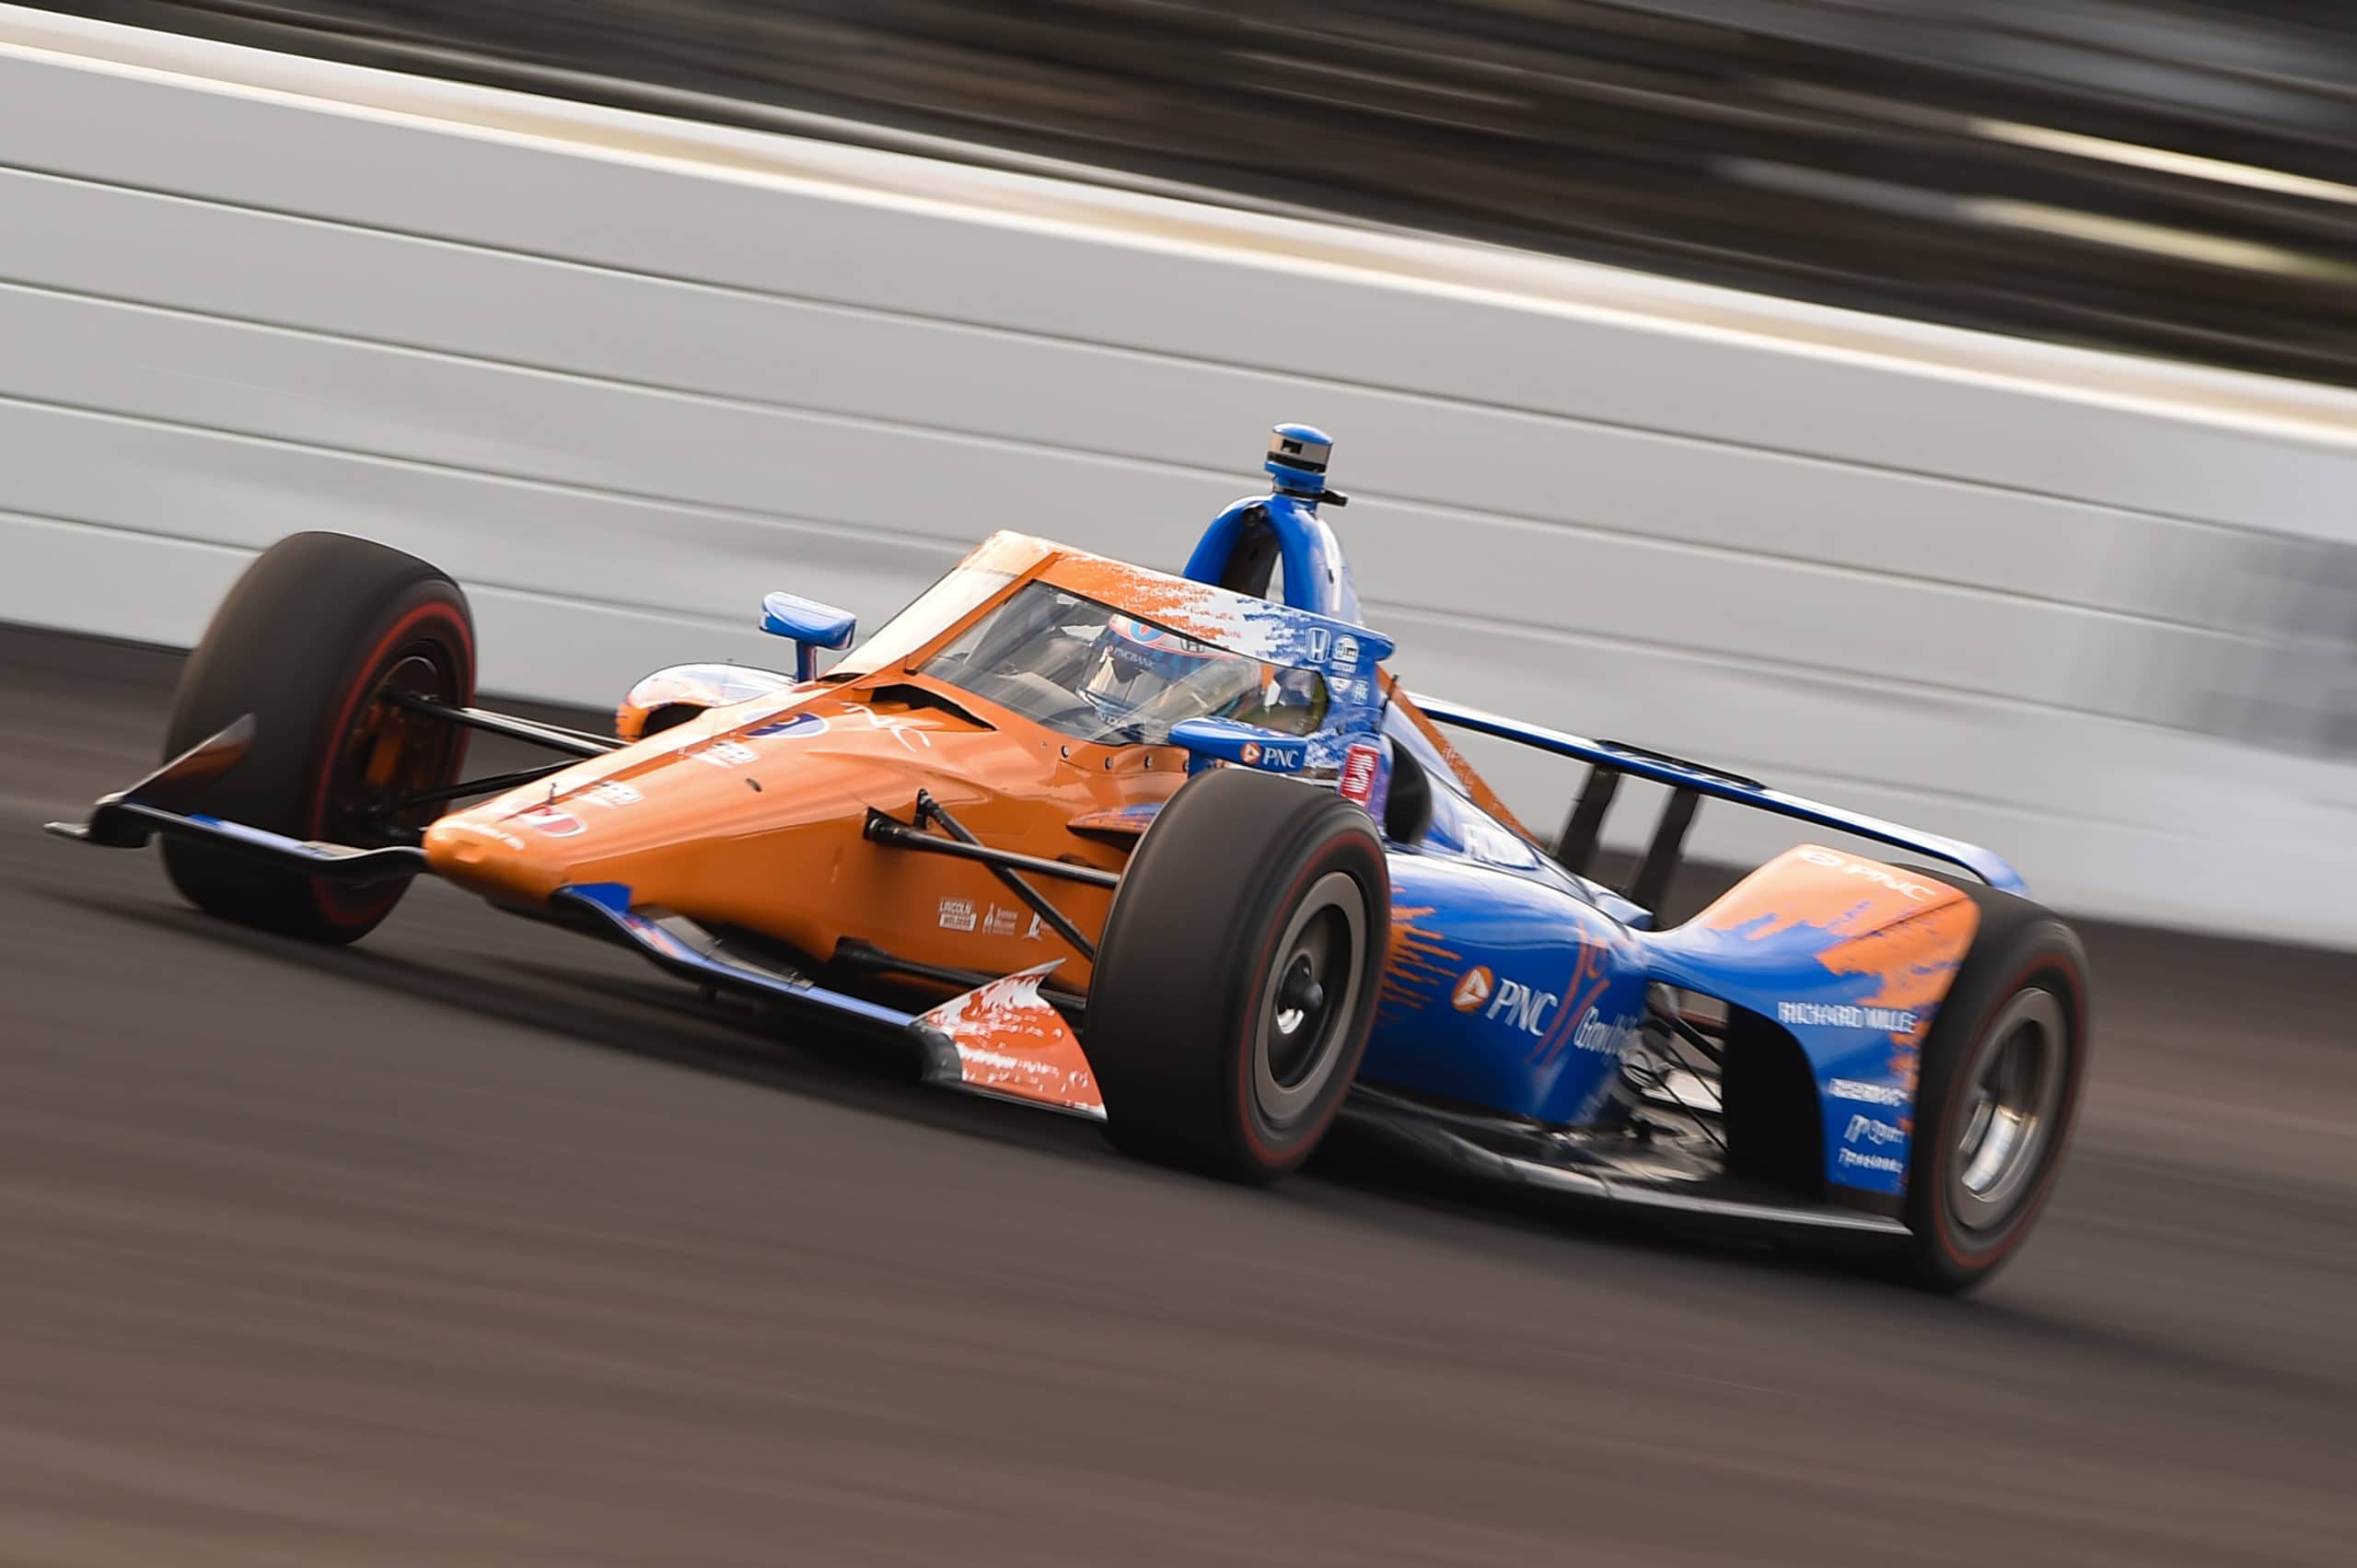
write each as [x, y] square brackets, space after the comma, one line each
[1236, 984]
[1997, 1094]
[308, 641]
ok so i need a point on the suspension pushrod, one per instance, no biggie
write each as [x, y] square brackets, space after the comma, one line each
[930, 809]
[465, 787]
[556, 737]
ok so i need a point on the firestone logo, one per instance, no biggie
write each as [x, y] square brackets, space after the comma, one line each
[1850, 1159]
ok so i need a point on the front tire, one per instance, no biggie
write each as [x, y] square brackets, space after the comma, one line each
[1998, 1094]
[1236, 983]
[309, 641]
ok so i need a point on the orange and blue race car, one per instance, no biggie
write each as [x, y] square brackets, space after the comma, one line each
[1176, 852]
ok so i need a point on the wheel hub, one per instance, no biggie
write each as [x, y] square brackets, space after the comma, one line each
[1313, 989]
[2013, 1104]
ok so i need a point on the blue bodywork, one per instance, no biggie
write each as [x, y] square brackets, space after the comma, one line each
[1518, 987]
[1515, 994]
[811, 625]
[1317, 577]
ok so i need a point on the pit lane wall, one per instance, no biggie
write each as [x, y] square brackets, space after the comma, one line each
[621, 375]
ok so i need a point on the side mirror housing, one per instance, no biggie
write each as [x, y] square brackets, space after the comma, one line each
[1246, 745]
[811, 625]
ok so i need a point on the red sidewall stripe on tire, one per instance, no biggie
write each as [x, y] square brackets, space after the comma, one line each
[363, 685]
[2075, 1068]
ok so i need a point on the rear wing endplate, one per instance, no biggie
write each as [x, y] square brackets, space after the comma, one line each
[1690, 782]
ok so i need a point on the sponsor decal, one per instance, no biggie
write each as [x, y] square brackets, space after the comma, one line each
[1360, 765]
[1000, 922]
[1605, 1038]
[479, 830]
[1031, 933]
[1866, 1094]
[1320, 640]
[1868, 1130]
[1517, 1005]
[1850, 1159]
[726, 754]
[1270, 755]
[1833, 1016]
[1881, 875]
[1346, 653]
[548, 820]
[957, 915]
[613, 794]
[792, 727]
[1521, 1007]
[906, 728]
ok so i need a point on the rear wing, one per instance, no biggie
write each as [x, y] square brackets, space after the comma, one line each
[1690, 782]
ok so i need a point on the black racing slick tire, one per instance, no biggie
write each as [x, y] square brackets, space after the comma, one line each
[310, 642]
[1997, 1096]
[1235, 983]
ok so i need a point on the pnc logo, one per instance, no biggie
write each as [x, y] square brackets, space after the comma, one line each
[1880, 876]
[1508, 1001]
[1268, 754]
[1522, 1007]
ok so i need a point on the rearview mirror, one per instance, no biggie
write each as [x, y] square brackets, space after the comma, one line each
[812, 626]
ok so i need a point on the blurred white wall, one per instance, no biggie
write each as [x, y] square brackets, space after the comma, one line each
[621, 376]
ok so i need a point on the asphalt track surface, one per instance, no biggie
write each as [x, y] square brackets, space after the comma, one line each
[480, 1245]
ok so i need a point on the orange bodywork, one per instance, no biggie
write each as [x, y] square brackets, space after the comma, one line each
[752, 815]
[1865, 918]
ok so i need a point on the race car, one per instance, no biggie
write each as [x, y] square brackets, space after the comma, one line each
[1178, 853]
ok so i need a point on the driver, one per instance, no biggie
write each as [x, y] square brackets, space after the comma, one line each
[1153, 676]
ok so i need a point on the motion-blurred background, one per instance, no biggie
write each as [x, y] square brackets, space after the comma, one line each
[2107, 619]
[475, 1246]
[2170, 176]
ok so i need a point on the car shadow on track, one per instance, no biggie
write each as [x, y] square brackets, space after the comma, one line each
[1356, 1178]
[650, 1019]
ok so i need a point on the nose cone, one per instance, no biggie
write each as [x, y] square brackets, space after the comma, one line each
[754, 818]
[509, 856]
[673, 818]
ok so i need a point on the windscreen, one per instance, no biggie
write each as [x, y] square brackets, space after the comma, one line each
[1090, 672]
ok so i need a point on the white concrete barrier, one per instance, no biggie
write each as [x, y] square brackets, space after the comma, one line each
[621, 375]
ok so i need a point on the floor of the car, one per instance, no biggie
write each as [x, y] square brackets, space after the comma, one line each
[1664, 1160]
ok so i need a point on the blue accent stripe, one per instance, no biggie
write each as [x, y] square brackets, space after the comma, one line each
[1989, 868]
